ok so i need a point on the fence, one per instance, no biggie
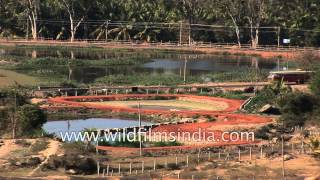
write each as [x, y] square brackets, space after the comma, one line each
[171, 44]
[152, 164]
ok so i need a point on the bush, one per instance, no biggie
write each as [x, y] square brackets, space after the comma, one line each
[297, 108]
[22, 142]
[315, 83]
[210, 118]
[39, 145]
[268, 95]
[168, 143]
[173, 166]
[81, 164]
[117, 143]
[265, 96]
[30, 119]
[79, 148]
[315, 143]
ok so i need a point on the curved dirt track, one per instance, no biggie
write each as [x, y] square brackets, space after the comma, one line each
[222, 118]
[232, 105]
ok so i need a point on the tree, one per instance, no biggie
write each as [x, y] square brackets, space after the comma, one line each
[297, 108]
[191, 11]
[30, 119]
[32, 10]
[233, 9]
[256, 12]
[10, 100]
[73, 7]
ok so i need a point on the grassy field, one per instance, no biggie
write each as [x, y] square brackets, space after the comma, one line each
[167, 104]
[8, 78]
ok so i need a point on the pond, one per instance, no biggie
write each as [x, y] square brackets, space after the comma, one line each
[158, 62]
[78, 125]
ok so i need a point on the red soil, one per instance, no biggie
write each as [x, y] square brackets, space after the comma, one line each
[73, 101]
[223, 117]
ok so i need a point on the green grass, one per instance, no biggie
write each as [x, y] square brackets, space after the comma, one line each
[51, 62]
[10, 78]
[143, 79]
[163, 144]
[244, 75]
[39, 145]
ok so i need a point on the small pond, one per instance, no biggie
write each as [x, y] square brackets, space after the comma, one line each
[78, 125]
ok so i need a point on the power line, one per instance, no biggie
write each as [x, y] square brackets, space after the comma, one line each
[171, 25]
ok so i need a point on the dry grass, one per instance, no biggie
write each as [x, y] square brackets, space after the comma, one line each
[167, 104]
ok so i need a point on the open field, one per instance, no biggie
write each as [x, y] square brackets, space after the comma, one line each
[8, 78]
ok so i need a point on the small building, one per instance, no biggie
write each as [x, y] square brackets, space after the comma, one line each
[296, 76]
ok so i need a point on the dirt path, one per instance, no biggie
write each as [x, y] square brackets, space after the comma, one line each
[52, 149]
[231, 104]
[8, 147]
[306, 166]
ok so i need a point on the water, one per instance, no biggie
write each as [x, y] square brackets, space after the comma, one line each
[78, 125]
[159, 62]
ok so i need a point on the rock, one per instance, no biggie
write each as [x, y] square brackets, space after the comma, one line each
[81, 156]
[42, 158]
[33, 161]
[18, 163]
[287, 137]
[287, 157]
[269, 109]
[71, 171]
[273, 131]
[275, 140]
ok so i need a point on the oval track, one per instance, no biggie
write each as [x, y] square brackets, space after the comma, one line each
[223, 118]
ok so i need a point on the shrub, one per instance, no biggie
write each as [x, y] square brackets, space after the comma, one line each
[315, 143]
[262, 133]
[39, 145]
[173, 166]
[23, 142]
[166, 143]
[30, 119]
[315, 83]
[296, 108]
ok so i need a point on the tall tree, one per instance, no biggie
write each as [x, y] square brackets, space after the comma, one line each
[232, 10]
[75, 9]
[192, 11]
[256, 12]
[32, 11]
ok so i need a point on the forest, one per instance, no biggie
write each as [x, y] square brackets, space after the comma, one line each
[253, 22]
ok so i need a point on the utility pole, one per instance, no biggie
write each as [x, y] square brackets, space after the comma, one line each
[282, 153]
[180, 34]
[278, 36]
[107, 25]
[185, 70]
[14, 120]
[139, 115]
[189, 34]
[27, 33]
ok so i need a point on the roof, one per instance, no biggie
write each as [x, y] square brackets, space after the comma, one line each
[291, 72]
